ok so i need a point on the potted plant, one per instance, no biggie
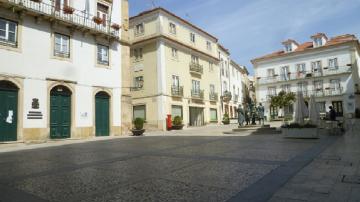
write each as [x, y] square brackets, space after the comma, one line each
[177, 123]
[227, 96]
[295, 130]
[357, 113]
[97, 20]
[68, 9]
[115, 26]
[226, 119]
[138, 127]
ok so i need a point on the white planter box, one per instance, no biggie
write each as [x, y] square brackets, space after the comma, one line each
[307, 133]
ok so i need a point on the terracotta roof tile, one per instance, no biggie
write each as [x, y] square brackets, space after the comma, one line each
[309, 46]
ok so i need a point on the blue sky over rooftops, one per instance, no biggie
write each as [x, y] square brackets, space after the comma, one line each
[252, 28]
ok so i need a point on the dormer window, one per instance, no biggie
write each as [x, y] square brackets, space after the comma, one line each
[318, 42]
[288, 48]
[319, 39]
[290, 45]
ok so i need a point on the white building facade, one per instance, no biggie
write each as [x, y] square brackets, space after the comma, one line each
[232, 80]
[325, 67]
[60, 75]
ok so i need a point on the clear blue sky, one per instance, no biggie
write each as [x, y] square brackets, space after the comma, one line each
[251, 28]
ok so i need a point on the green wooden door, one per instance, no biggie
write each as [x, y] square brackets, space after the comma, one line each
[8, 114]
[60, 114]
[102, 114]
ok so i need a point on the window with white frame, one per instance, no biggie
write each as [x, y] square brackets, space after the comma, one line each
[139, 29]
[321, 106]
[288, 48]
[301, 68]
[208, 46]
[194, 59]
[285, 73]
[316, 67]
[211, 67]
[226, 70]
[271, 91]
[195, 86]
[335, 85]
[213, 115]
[62, 45]
[139, 82]
[172, 28]
[333, 64]
[103, 13]
[318, 42]
[212, 88]
[174, 53]
[225, 87]
[192, 37]
[318, 85]
[270, 72]
[8, 31]
[103, 54]
[302, 87]
[286, 88]
[138, 54]
[175, 81]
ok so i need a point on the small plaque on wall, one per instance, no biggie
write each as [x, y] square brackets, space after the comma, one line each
[34, 115]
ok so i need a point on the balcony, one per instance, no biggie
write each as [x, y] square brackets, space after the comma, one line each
[327, 92]
[326, 71]
[196, 68]
[213, 97]
[177, 91]
[197, 94]
[79, 20]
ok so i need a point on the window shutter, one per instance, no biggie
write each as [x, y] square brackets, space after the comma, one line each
[57, 5]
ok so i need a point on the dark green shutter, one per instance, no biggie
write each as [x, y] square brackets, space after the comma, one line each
[102, 114]
[8, 102]
[60, 115]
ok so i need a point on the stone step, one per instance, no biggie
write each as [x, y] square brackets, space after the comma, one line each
[254, 129]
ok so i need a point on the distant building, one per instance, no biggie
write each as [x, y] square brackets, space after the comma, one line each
[174, 70]
[61, 67]
[327, 68]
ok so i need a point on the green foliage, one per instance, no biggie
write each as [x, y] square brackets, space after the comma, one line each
[283, 99]
[177, 121]
[296, 125]
[226, 119]
[139, 123]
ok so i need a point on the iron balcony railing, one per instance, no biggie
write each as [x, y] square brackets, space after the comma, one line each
[317, 93]
[71, 16]
[196, 68]
[326, 71]
[213, 96]
[177, 91]
[197, 94]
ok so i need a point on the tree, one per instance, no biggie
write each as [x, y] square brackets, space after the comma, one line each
[282, 100]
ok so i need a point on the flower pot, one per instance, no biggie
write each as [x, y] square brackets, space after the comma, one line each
[68, 10]
[226, 122]
[137, 132]
[98, 20]
[177, 127]
[115, 26]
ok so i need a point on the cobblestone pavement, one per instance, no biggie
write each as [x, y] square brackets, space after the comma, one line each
[171, 168]
[334, 176]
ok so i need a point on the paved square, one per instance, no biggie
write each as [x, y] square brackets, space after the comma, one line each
[168, 168]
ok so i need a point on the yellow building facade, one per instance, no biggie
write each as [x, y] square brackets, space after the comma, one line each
[174, 70]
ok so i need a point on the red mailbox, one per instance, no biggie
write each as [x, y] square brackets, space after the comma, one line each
[169, 122]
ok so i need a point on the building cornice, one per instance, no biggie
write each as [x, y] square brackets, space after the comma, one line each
[163, 37]
[159, 10]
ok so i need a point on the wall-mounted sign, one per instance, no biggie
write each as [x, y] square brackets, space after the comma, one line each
[35, 103]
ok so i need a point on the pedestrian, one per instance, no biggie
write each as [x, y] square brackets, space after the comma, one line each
[332, 114]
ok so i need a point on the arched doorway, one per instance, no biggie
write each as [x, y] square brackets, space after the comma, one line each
[8, 111]
[102, 114]
[60, 112]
